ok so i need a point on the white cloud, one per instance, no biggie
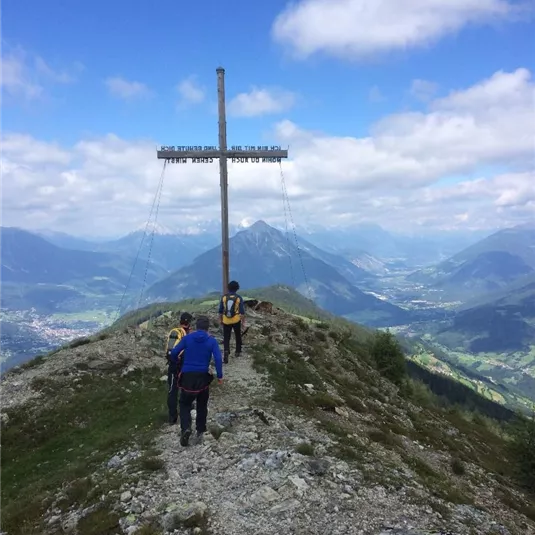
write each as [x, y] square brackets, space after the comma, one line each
[125, 89]
[423, 90]
[60, 77]
[261, 102]
[190, 91]
[502, 88]
[16, 80]
[361, 28]
[432, 169]
[27, 77]
[491, 122]
[27, 151]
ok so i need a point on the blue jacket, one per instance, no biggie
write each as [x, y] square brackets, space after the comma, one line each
[198, 348]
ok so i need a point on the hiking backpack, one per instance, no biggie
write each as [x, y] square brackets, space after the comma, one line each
[174, 337]
[231, 305]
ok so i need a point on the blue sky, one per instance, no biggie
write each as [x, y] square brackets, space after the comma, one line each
[70, 49]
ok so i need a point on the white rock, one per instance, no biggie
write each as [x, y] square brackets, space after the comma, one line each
[341, 411]
[285, 506]
[126, 496]
[299, 483]
[4, 417]
[54, 520]
[264, 494]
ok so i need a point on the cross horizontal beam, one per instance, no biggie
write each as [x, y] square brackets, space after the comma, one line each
[235, 153]
[167, 154]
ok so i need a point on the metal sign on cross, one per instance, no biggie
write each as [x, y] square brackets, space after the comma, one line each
[237, 154]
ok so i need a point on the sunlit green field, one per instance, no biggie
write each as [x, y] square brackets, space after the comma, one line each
[98, 316]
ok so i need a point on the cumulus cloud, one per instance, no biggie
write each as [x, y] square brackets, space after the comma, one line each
[126, 89]
[261, 101]
[190, 91]
[361, 28]
[26, 76]
[60, 76]
[464, 162]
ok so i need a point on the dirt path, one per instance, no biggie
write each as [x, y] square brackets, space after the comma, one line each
[252, 481]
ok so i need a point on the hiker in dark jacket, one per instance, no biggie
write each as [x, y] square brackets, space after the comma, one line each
[194, 381]
[173, 368]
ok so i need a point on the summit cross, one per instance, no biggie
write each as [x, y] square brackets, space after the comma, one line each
[236, 153]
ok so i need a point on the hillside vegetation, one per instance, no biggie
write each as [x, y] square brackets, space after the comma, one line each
[284, 297]
[317, 429]
[495, 338]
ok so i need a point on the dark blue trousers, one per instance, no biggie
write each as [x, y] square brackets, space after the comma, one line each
[172, 391]
[186, 400]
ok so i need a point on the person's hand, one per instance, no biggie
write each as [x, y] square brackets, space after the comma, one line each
[220, 381]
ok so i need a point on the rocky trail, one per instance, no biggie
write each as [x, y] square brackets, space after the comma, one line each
[252, 480]
[265, 467]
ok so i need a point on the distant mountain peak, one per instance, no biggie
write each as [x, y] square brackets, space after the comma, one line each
[261, 228]
[260, 225]
[161, 230]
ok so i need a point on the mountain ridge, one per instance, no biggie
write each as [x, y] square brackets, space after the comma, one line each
[39, 275]
[486, 266]
[262, 256]
[52, 264]
[307, 435]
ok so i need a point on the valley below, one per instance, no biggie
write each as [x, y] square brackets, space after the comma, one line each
[484, 339]
[27, 333]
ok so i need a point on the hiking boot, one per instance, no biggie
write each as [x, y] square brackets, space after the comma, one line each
[199, 439]
[184, 437]
[173, 421]
[237, 354]
[225, 357]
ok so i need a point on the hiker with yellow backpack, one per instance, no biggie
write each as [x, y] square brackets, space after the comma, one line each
[232, 316]
[174, 366]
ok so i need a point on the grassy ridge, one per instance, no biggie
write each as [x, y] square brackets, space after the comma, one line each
[348, 380]
[282, 297]
[89, 420]
[65, 443]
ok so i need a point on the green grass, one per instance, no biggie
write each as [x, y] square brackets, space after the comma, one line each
[44, 448]
[385, 437]
[36, 361]
[98, 316]
[287, 374]
[457, 467]
[102, 521]
[283, 297]
[437, 482]
[440, 359]
[305, 449]
[350, 374]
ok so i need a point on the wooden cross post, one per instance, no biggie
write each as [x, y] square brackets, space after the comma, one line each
[236, 153]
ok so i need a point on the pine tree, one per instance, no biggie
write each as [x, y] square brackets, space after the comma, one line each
[388, 356]
[523, 451]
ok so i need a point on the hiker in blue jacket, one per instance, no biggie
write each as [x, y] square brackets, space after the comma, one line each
[195, 378]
